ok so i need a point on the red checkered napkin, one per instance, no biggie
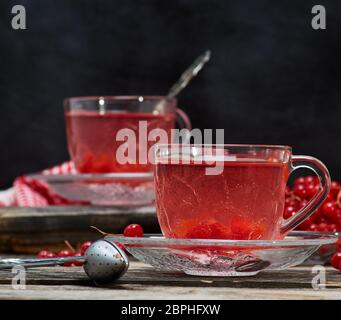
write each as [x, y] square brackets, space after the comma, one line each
[28, 192]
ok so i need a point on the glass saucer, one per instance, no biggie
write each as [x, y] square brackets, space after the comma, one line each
[203, 257]
[323, 255]
[111, 189]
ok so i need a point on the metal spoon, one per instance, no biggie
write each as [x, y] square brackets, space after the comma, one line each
[189, 74]
[184, 79]
[104, 262]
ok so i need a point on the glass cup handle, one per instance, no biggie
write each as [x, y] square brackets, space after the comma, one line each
[182, 119]
[322, 172]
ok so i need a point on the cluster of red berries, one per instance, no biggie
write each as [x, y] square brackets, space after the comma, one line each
[131, 230]
[327, 218]
[69, 252]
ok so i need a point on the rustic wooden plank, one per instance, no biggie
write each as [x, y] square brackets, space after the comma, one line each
[143, 282]
[27, 230]
[299, 277]
[156, 292]
[13, 219]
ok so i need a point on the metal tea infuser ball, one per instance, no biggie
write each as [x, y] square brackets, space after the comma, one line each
[104, 262]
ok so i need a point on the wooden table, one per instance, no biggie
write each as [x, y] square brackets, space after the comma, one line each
[29, 230]
[143, 282]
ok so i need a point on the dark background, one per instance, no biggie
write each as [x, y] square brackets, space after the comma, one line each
[272, 78]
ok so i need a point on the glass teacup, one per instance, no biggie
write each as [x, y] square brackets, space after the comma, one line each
[93, 126]
[229, 191]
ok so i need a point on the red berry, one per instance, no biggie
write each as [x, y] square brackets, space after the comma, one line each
[313, 227]
[310, 190]
[317, 181]
[322, 227]
[85, 246]
[300, 190]
[287, 191]
[338, 212]
[329, 197]
[335, 185]
[72, 263]
[287, 201]
[51, 255]
[133, 230]
[299, 180]
[332, 227]
[77, 263]
[200, 231]
[302, 204]
[65, 253]
[289, 212]
[335, 188]
[216, 230]
[291, 202]
[328, 208]
[45, 254]
[240, 229]
[336, 260]
[317, 188]
[309, 180]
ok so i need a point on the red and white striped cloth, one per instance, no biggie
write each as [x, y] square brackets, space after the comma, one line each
[28, 192]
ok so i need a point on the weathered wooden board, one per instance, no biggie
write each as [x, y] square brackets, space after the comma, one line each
[143, 282]
[27, 230]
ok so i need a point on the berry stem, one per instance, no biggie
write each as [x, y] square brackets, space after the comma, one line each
[100, 231]
[68, 244]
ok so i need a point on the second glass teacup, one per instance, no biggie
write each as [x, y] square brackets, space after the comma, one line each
[94, 124]
[229, 191]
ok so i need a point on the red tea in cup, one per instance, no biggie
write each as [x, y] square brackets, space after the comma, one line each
[245, 201]
[92, 125]
[92, 135]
